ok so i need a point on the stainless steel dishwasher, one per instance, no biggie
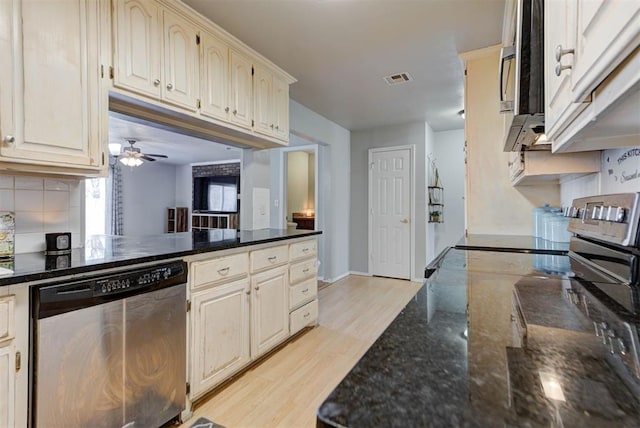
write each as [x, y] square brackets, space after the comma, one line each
[110, 350]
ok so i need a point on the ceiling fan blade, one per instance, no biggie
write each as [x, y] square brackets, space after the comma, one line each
[156, 156]
[147, 158]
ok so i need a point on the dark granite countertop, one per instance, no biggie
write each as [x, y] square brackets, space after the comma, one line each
[109, 251]
[511, 243]
[455, 356]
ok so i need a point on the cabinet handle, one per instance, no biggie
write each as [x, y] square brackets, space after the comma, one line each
[257, 288]
[306, 290]
[223, 271]
[272, 259]
[277, 127]
[305, 250]
[307, 315]
[248, 292]
[156, 82]
[18, 361]
[562, 52]
[560, 68]
[272, 126]
[9, 139]
[169, 86]
[226, 110]
[305, 270]
[235, 112]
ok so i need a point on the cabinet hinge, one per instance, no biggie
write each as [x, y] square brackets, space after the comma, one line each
[188, 305]
[198, 104]
[102, 159]
[110, 72]
[102, 71]
[252, 123]
[18, 361]
[197, 39]
[252, 71]
[188, 388]
[465, 71]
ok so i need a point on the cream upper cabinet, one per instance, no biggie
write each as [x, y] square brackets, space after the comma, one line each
[220, 334]
[586, 43]
[181, 61]
[607, 31]
[52, 96]
[271, 104]
[560, 27]
[137, 46]
[263, 101]
[241, 89]
[214, 77]
[281, 112]
[269, 309]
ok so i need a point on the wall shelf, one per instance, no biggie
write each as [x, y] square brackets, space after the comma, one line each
[436, 204]
[177, 219]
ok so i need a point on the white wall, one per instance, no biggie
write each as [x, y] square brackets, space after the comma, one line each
[147, 191]
[184, 189]
[619, 172]
[333, 181]
[42, 205]
[362, 141]
[255, 189]
[430, 229]
[449, 155]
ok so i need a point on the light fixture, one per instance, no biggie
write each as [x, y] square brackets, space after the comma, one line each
[461, 113]
[114, 149]
[131, 161]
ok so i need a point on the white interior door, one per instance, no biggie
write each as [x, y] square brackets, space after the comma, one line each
[390, 212]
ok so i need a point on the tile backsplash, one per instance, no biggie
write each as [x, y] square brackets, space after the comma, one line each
[42, 205]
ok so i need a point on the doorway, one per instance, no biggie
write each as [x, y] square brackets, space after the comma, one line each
[391, 209]
[300, 199]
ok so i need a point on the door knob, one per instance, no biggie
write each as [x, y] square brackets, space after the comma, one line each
[9, 139]
[404, 220]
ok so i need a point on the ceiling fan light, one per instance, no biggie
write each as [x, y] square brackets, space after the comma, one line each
[131, 161]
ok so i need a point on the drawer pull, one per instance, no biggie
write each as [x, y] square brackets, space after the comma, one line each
[272, 259]
[305, 250]
[306, 290]
[223, 271]
[307, 315]
[305, 270]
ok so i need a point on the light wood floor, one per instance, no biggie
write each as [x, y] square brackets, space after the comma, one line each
[286, 389]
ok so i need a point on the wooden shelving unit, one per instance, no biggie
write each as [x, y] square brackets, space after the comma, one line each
[214, 221]
[177, 219]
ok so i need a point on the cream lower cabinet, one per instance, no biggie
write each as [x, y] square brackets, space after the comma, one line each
[220, 334]
[53, 91]
[269, 310]
[7, 361]
[303, 288]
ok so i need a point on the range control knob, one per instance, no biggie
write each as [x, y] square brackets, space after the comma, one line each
[618, 214]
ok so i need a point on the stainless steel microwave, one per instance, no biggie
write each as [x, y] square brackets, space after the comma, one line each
[522, 78]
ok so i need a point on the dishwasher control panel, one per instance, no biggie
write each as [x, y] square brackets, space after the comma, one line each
[144, 278]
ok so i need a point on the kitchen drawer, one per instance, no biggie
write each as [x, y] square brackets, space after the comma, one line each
[303, 317]
[209, 271]
[303, 249]
[303, 270]
[269, 257]
[7, 322]
[302, 292]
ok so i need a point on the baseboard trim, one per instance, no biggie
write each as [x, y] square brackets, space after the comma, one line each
[338, 278]
[355, 272]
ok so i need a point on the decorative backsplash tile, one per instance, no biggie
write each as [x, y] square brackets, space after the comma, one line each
[42, 205]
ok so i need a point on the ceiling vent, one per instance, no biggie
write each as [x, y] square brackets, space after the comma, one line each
[397, 78]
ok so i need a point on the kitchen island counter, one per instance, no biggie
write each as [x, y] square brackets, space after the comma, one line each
[111, 251]
[458, 354]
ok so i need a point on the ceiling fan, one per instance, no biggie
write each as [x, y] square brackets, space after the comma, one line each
[132, 156]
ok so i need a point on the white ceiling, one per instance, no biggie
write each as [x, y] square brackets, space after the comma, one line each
[180, 148]
[340, 50]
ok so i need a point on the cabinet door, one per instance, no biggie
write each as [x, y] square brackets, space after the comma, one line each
[269, 310]
[7, 386]
[281, 110]
[560, 110]
[607, 32]
[137, 47]
[214, 78]
[241, 89]
[220, 334]
[263, 101]
[180, 84]
[51, 95]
